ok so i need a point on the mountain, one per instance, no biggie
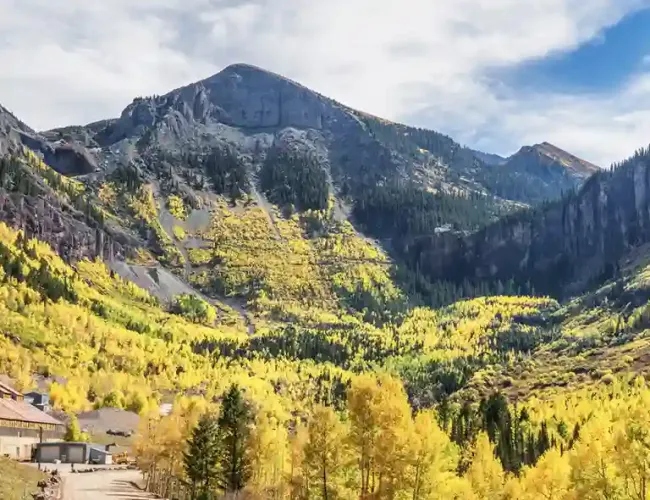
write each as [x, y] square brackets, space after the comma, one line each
[257, 138]
[537, 173]
[560, 248]
[218, 241]
[255, 111]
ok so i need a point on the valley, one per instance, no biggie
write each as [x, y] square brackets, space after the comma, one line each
[357, 308]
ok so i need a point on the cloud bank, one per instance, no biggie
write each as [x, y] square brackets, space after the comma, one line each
[424, 62]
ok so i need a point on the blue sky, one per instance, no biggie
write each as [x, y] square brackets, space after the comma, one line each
[493, 74]
[601, 64]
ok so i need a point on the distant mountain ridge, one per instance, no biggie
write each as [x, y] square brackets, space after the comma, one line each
[537, 173]
[246, 107]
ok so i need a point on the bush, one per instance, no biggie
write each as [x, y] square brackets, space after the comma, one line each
[195, 309]
[179, 233]
[176, 207]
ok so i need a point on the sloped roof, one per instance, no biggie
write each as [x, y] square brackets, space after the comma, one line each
[24, 412]
[9, 390]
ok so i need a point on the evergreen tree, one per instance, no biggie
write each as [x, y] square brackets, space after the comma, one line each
[234, 424]
[201, 459]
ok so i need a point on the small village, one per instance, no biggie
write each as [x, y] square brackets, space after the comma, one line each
[58, 445]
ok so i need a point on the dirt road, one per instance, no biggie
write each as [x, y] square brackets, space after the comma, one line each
[104, 485]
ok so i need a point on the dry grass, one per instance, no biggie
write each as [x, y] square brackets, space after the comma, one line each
[18, 480]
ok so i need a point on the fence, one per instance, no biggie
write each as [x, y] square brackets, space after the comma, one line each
[167, 486]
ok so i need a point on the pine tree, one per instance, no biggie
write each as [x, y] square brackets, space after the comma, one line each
[202, 458]
[234, 424]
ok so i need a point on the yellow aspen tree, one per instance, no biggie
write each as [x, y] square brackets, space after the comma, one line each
[594, 474]
[325, 454]
[485, 473]
[393, 448]
[632, 453]
[434, 459]
[268, 449]
[364, 431]
[298, 483]
[550, 479]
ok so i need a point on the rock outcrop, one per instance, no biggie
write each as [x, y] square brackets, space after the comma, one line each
[67, 158]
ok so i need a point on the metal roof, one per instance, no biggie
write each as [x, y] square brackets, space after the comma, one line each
[24, 412]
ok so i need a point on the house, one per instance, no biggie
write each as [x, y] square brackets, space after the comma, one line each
[22, 425]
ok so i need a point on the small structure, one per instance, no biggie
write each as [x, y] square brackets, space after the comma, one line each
[22, 425]
[40, 400]
[100, 456]
[72, 453]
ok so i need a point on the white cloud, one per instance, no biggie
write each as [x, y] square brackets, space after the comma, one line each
[423, 60]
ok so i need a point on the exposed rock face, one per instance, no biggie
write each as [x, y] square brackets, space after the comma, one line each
[240, 96]
[62, 227]
[250, 109]
[568, 242]
[66, 158]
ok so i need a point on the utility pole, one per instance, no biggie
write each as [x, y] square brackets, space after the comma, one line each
[40, 440]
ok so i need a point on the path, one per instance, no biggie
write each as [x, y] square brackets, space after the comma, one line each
[104, 485]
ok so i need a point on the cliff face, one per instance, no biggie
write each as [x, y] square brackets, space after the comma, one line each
[558, 248]
[65, 157]
[65, 229]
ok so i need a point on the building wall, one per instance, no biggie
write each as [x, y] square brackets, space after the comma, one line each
[18, 448]
[33, 433]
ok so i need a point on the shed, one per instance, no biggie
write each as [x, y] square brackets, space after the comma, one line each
[69, 453]
[40, 400]
[101, 456]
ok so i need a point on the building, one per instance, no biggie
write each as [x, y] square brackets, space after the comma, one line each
[22, 425]
[72, 453]
[40, 400]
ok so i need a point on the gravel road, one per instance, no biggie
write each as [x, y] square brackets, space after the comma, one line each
[104, 485]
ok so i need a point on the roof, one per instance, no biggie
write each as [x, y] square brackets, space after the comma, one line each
[66, 443]
[9, 390]
[24, 412]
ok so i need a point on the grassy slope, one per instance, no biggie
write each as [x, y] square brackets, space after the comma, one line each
[18, 481]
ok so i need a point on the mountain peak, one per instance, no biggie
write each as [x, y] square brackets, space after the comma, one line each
[250, 74]
[575, 165]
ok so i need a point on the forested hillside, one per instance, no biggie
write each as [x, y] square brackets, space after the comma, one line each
[337, 307]
[559, 248]
[470, 401]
